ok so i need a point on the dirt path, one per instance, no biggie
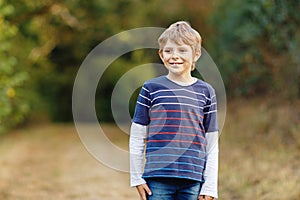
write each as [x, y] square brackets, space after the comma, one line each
[50, 162]
[259, 159]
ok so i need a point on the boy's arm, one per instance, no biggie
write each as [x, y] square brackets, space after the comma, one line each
[210, 186]
[138, 133]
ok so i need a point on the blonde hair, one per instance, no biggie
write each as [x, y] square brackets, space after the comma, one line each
[181, 32]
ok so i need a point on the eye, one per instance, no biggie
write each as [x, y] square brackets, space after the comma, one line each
[182, 50]
[167, 50]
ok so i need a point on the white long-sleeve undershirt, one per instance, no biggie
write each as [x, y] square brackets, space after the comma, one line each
[138, 134]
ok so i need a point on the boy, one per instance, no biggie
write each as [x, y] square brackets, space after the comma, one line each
[177, 116]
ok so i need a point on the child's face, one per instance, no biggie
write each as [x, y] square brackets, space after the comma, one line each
[178, 59]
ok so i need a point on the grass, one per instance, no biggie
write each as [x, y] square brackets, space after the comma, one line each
[259, 158]
[259, 151]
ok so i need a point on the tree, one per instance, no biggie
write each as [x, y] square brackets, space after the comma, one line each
[256, 44]
[13, 108]
[55, 37]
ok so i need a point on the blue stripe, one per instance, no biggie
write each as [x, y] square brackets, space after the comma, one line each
[179, 156]
[178, 163]
[178, 148]
[173, 176]
[171, 169]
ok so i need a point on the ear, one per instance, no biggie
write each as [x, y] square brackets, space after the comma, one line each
[161, 55]
[197, 55]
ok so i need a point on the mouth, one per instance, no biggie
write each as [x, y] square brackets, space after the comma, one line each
[175, 63]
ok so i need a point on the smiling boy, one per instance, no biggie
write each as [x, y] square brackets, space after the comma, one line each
[176, 115]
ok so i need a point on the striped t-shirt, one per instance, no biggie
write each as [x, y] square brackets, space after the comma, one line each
[178, 117]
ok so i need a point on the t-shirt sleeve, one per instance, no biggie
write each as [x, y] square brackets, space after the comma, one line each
[210, 111]
[141, 114]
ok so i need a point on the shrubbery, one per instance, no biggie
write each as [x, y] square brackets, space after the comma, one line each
[257, 45]
[13, 104]
[254, 43]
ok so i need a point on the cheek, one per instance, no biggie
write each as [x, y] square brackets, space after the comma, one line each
[191, 58]
[166, 57]
[187, 59]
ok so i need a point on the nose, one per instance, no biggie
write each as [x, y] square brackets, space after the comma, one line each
[175, 55]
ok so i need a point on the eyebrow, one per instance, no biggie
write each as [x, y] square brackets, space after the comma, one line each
[180, 46]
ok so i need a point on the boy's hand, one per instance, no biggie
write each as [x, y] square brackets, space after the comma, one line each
[204, 197]
[143, 189]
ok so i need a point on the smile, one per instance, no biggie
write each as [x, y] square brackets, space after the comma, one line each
[176, 63]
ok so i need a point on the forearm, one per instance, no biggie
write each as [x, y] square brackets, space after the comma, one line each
[210, 186]
[138, 134]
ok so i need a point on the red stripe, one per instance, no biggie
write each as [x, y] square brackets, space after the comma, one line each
[174, 118]
[181, 111]
[177, 126]
[199, 143]
[174, 133]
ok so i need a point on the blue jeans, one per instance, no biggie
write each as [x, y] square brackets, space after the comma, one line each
[173, 189]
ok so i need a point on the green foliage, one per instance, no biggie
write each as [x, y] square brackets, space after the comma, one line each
[13, 108]
[43, 43]
[256, 44]
[73, 29]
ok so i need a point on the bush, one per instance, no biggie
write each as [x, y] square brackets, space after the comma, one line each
[256, 44]
[13, 106]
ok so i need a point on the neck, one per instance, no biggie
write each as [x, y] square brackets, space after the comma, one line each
[184, 79]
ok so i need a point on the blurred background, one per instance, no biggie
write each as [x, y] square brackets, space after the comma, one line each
[255, 44]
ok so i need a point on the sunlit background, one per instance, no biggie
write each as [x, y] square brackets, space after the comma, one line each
[255, 44]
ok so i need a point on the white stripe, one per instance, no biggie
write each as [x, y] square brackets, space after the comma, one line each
[212, 111]
[145, 89]
[144, 97]
[170, 90]
[143, 104]
[210, 105]
[184, 104]
[159, 97]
